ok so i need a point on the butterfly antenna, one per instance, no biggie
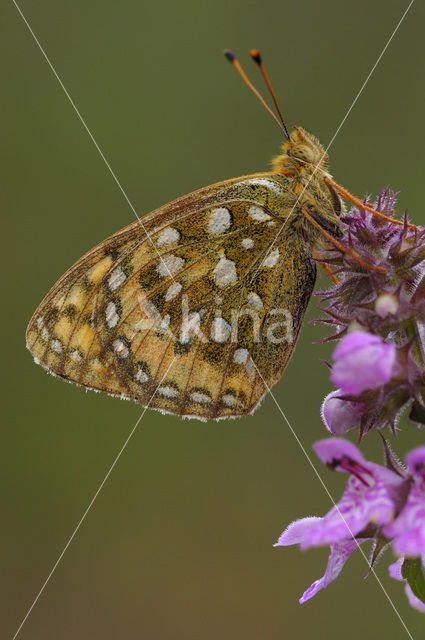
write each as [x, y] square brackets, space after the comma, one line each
[255, 55]
[235, 62]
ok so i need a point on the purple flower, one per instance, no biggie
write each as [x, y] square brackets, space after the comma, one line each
[369, 496]
[340, 415]
[408, 530]
[395, 572]
[363, 361]
[387, 307]
[371, 499]
[339, 553]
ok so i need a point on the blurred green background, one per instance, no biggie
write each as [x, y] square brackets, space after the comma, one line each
[178, 544]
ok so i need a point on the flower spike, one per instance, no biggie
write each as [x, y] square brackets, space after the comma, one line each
[339, 245]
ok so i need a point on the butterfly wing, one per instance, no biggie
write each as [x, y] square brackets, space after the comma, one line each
[188, 311]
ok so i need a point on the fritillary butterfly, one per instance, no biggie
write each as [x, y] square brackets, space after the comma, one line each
[196, 310]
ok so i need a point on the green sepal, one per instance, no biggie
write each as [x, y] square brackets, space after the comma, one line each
[417, 413]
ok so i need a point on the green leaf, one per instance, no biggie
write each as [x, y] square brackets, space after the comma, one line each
[412, 572]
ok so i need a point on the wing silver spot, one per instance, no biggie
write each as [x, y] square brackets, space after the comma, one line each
[173, 290]
[111, 315]
[265, 182]
[56, 346]
[240, 356]
[224, 272]
[168, 236]
[220, 330]
[164, 324]
[120, 348]
[168, 392]
[169, 265]
[247, 243]
[200, 398]
[271, 259]
[141, 376]
[229, 400]
[76, 355]
[254, 301]
[116, 278]
[258, 214]
[219, 220]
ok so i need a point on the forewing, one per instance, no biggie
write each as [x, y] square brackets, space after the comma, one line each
[179, 319]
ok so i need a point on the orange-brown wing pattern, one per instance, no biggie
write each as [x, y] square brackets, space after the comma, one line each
[190, 319]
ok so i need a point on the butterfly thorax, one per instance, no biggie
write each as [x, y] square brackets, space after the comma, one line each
[304, 163]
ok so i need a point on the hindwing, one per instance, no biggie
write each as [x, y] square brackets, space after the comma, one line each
[193, 310]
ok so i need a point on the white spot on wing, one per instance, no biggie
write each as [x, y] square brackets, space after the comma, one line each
[172, 291]
[254, 301]
[56, 346]
[141, 376]
[256, 213]
[116, 278]
[247, 243]
[219, 220]
[75, 355]
[191, 325]
[200, 398]
[164, 324]
[168, 236]
[111, 315]
[168, 392]
[120, 348]
[240, 356]
[265, 182]
[220, 330]
[229, 400]
[271, 259]
[168, 265]
[249, 366]
[225, 272]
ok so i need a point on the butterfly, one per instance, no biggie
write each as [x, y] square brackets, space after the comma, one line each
[195, 309]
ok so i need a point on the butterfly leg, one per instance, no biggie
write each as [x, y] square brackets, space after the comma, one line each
[344, 193]
[325, 266]
[339, 245]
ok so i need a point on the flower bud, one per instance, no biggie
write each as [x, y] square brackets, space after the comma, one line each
[363, 361]
[339, 416]
[386, 304]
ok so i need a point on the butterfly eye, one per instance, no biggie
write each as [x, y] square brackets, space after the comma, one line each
[303, 152]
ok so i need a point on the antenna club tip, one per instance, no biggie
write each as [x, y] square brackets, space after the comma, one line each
[229, 55]
[255, 55]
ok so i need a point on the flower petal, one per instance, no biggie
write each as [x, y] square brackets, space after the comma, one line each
[331, 450]
[296, 531]
[363, 361]
[340, 415]
[416, 461]
[338, 556]
[354, 341]
[408, 529]
[395, 569]
[360, 505]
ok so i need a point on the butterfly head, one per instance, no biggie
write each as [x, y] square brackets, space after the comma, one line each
[301, 153]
